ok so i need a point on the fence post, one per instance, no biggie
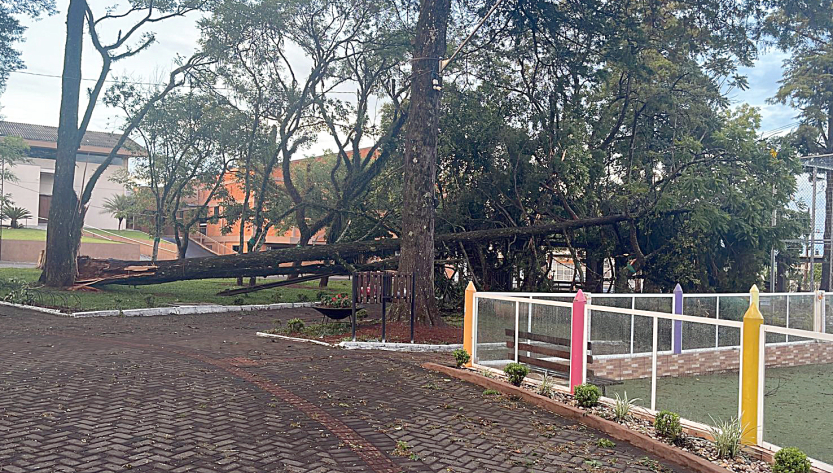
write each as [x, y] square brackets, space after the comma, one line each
[818, 312]
[678, 324]
[752, 321]
[578, 344]
[468, 323]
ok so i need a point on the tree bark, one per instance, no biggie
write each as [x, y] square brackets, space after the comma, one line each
[265, 263]
[63, 233]
[420, 157]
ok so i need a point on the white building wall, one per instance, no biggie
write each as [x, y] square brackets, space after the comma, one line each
[24, 192]
[36, 179]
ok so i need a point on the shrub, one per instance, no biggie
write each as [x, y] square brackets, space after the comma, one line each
[668, 425]
[545, 389]
[587, 395]
[20, 292]
[516, 373]
[461, 357]
[361, 314]
[295, 325]
[726, 436]
[791, 460]
[622, 407]
[336, 300]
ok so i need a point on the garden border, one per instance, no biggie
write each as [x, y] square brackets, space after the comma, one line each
[613, 429]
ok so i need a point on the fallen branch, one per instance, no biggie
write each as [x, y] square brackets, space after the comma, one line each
[268, 263]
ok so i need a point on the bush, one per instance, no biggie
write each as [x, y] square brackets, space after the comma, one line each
[19, 292]
[295, 325]
[668, 425]
[516, 373]
[361, 314]
[622, 407]
[587, 395]
[461, 357]
[336, 300]
[726, 436]
[791, 460]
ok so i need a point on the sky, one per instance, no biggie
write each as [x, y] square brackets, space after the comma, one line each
[33, 95]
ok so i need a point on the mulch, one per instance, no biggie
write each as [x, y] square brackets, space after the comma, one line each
[401, 332]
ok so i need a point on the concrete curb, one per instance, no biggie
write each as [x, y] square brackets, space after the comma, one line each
[403, 347]
[35, 308]
[157, 311]
[189, 310]
[613, 429]
[294, 339]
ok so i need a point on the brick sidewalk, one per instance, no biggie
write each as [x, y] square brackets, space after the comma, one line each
[202, 393]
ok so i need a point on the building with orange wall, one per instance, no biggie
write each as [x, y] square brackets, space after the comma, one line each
[211, 235]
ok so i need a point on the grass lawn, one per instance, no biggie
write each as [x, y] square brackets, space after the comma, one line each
[133, 234]
[796, 404]
[33, 234]
[201, 291]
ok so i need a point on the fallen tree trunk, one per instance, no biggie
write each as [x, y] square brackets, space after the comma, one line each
[272, 262]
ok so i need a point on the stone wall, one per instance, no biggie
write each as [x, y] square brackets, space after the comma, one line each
[27, 251]
[708, 361]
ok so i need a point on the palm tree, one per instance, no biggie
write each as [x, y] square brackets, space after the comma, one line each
[120, 206]
[16, 213]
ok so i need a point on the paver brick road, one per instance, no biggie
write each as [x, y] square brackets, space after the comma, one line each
[203, 394]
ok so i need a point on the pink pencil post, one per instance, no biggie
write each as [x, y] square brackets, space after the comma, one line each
[577, 342]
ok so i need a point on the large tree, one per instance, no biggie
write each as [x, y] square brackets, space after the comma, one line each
[420, 156]
[68, 209]
[805, 31]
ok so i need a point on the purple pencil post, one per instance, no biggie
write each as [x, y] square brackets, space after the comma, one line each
[678, 324]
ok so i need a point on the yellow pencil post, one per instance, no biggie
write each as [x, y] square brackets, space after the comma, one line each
[468, 322]
[752, 321]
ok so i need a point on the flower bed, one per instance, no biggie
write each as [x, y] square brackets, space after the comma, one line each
[639, 422]
[372, 331]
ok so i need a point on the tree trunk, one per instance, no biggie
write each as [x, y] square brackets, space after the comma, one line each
[265, 263]
[63, 229]
[421, 159]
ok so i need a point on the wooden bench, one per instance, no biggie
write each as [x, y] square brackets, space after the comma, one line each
[552, 347]
[383, 287]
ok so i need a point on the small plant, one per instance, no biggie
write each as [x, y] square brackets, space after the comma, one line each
[461, 357]
[545, 389]
[295, 325]
[361, 314]
[276, 297]
[726, 436]
[490, 392]
[606, 443]
[239, 301]
[150, 301]
[402, 449]
[587, 395]
[516, 373]
[339, 301]
[303, 297]
[20, 292]
[667, 424]
[622, 407]
[791, 460]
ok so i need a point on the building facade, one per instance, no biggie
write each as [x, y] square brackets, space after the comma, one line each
[33, 189]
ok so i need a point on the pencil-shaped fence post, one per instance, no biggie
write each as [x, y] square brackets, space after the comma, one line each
[678, 324]
[752, 321]
[578, 344]
[468, 323]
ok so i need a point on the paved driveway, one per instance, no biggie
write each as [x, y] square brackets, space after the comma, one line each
[202, 393]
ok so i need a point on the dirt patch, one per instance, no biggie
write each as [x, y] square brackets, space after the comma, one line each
[401, 332]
